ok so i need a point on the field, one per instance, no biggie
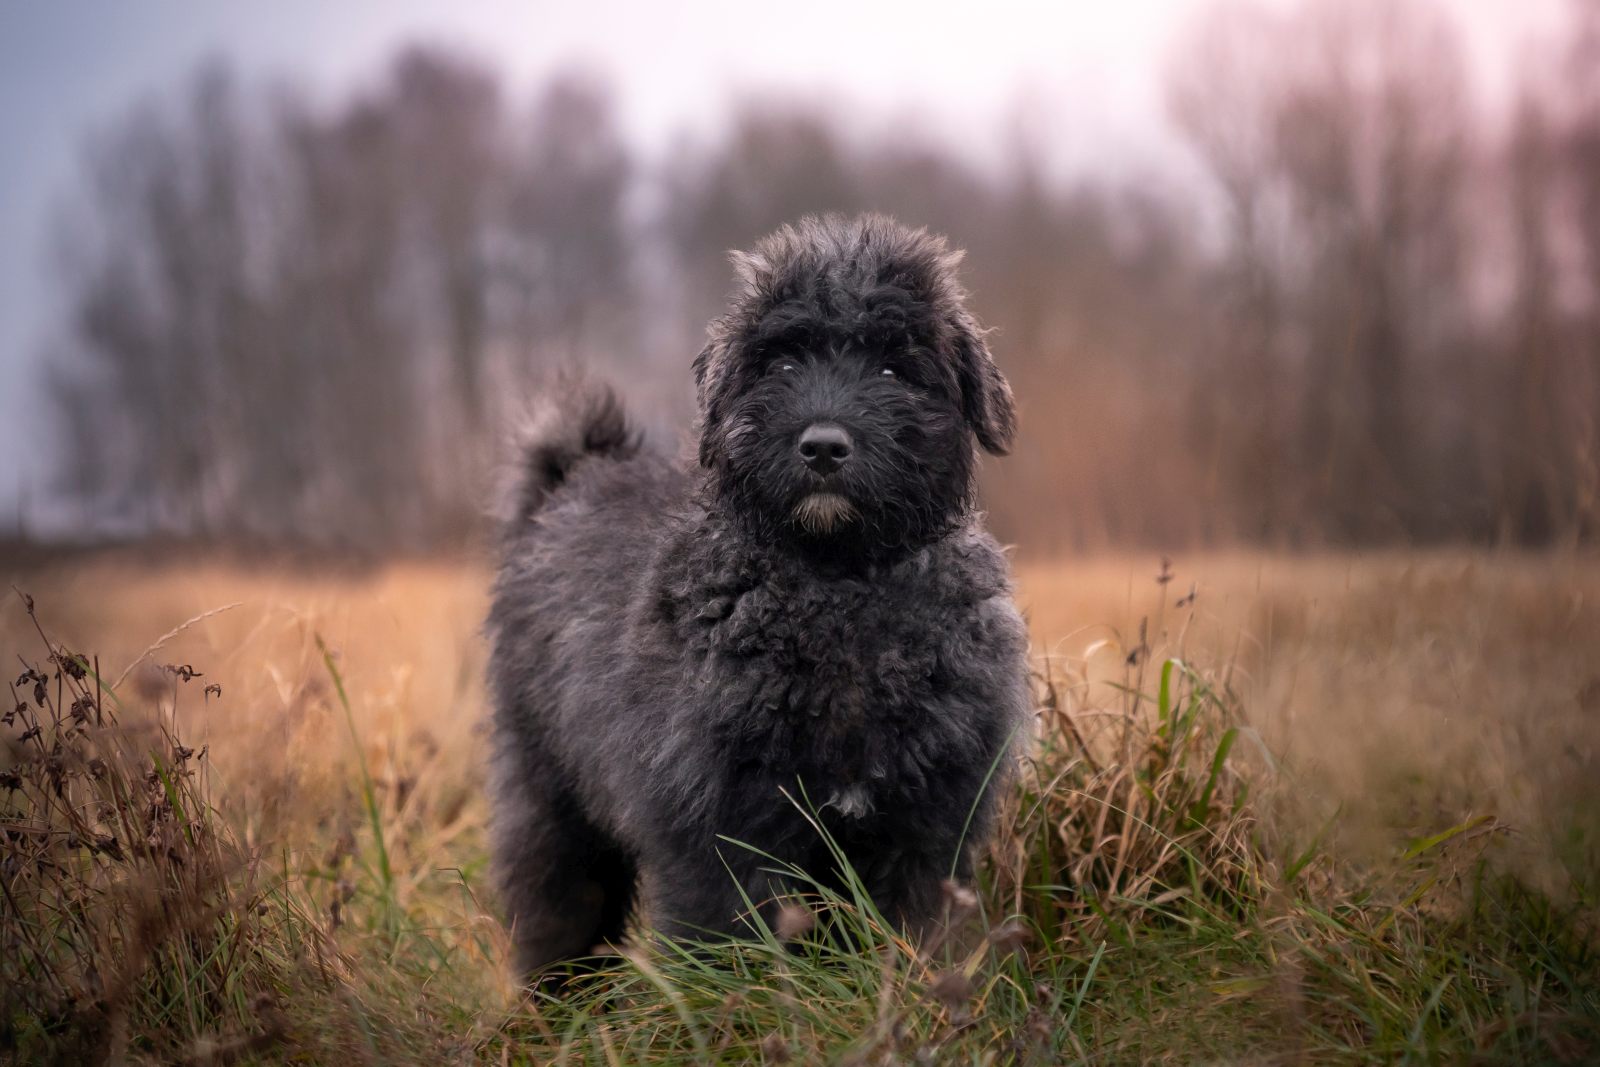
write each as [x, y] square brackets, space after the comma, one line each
[1308, 809]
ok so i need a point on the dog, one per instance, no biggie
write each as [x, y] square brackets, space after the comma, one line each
[695, 666]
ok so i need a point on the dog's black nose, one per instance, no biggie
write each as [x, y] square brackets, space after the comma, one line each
[825, 447]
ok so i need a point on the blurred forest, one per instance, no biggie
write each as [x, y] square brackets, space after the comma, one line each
[309, 321]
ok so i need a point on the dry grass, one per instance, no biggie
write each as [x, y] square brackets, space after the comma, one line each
[1404, 691]
[1252, 829]
[133, 915]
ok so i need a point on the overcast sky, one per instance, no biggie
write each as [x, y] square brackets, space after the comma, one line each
[68, 67]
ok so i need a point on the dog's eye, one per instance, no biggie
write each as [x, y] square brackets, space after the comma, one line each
[781, 367]
[888, 372]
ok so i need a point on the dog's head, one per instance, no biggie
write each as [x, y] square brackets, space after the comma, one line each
[841, 393]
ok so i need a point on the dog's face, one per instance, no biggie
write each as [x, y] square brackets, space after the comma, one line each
[841, 394]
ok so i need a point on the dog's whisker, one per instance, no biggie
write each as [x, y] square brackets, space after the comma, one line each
[821, 513]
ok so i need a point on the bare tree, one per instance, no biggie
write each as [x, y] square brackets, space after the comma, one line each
[1339, 141]
[566, 257]
[1222, 90]
[305, 319]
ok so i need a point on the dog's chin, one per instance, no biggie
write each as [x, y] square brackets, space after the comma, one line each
[821, 514]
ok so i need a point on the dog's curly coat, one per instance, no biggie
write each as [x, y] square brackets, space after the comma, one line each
[684, 658]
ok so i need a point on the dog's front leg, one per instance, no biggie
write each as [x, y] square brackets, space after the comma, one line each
[692, 899]
[915, 889]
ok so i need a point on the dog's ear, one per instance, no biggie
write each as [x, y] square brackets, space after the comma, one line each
[986, 399]
[714, 364]
[710, 367]
[708, 370]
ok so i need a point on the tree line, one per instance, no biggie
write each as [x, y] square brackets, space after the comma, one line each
[1377, 321]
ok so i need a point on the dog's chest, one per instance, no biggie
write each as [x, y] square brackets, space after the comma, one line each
[870, 690]
[841, 651]
[835, 683]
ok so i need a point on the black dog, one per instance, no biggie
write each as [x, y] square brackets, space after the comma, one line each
[684, 658]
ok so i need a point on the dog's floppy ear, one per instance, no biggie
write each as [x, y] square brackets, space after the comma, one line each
[716, 360]
[985, 394]
[709, 370]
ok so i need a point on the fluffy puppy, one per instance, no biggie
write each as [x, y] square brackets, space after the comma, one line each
[685, 657]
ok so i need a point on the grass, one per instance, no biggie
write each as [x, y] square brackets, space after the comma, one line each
[293, 869]
[133, 914]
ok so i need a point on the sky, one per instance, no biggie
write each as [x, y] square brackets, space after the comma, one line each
[69, 67]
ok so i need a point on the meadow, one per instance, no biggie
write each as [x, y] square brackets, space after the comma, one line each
[1327, 808]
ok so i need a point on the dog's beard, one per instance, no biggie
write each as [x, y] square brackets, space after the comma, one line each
[823, 513]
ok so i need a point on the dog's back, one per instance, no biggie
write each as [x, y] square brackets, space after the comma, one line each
[585, 495]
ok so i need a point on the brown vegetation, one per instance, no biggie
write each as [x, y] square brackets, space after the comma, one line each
[1407, 691]
[1227, 743]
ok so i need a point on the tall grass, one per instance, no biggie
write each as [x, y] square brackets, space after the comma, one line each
[133, 919]
[1144, 901]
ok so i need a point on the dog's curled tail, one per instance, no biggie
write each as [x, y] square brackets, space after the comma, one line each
[573, 420]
